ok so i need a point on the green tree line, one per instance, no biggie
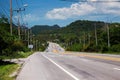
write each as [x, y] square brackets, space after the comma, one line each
[10, 45]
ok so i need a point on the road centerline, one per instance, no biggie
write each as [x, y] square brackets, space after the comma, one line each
[74, 77]
[117, 69]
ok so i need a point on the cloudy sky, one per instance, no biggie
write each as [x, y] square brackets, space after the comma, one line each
[50, 12]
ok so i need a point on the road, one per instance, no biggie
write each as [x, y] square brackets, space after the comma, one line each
[53, 47]
[54, 66]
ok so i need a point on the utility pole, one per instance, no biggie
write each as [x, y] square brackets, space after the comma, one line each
[80, 41]
[11, 17]
[89, 38]
[25, 32]
[31, 36]
[18, 11]
[84, 40]
[36, 41]
[19, 26]
[25, 35]
[108, 34]
[96, 35]
[28, 37]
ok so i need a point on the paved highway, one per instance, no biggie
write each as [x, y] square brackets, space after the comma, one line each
[53, 66]
[53, 47]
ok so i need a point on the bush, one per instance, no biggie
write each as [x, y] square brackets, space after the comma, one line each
[12, 49]
[18, 46]
[75, 47]
[10, 45]
[115, 48]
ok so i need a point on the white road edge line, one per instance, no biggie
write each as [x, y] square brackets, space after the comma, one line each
[61, 68]
[117, 69]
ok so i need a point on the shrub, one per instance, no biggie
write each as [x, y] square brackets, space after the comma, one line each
[115, 48]
[17, 46]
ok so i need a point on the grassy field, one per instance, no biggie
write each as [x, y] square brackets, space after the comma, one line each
[7, 68]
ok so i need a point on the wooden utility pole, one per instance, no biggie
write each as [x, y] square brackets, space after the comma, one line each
[89, 40]
[25, 35]
[28, 37]
[18, 11]
[11, 17]
[31, 36]
[96, 35]
[36, 43]
[80, 41]
[108, 34]
[84, 40]
[19, 26]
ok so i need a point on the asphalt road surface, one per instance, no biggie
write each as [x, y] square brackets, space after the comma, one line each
[53, 66]
[53, 47]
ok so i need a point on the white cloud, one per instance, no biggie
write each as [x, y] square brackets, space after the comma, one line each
[79, 9]
[75, 9]
[111, 8]
[28, 18]
[31, 18]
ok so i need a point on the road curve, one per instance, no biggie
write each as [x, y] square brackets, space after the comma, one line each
[52, 66]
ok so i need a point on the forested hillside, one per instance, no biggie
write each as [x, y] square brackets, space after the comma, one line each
[43, 28]
[84, 35]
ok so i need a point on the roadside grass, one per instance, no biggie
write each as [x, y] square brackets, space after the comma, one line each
[17, 55]
[24, 54]
[7, 68]
[20, 54]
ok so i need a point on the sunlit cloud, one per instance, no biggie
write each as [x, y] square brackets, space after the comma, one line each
[86, 8]
[76, 9]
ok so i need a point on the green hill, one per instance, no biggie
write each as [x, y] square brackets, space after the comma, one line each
[80, 36]
[37, 29]
[80, 26]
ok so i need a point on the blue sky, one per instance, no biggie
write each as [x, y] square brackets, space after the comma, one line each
[50, 12]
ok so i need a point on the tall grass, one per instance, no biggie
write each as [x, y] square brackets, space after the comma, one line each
[6, 69]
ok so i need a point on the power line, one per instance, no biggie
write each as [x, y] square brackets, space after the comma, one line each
[4, 10]
[17, 4]
[21, 13]
[24, 13]
[22, 2]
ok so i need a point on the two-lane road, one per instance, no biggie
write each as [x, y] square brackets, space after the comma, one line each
[52, 66]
